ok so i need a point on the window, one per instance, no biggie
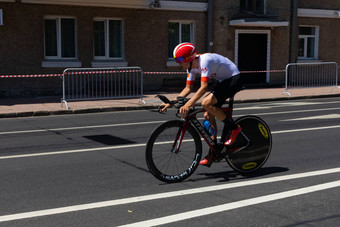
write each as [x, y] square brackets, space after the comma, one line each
[179, 32]
[1, 18]
[252, 6]
[108, 39]
[308, 42]
[60, 38]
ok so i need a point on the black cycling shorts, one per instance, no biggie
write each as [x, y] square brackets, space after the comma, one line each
[227, 89]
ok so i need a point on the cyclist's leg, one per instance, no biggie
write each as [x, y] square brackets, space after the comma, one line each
[213, 110]
[234, 85]
[209, 103]
[211, 118]
[213, 107]
[213, 103]
[207, 161]
[224, 90]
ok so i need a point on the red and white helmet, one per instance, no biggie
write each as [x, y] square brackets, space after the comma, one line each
[185, 52]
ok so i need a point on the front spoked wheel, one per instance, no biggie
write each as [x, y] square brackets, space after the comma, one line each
[167, 163]
[257, 152]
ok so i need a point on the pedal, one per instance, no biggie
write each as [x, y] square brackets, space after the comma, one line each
[222, 152]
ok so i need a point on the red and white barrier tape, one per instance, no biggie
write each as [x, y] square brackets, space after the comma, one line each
[264, 71]
[164, 73]
[29, 76]
[69, 73]
[101, 72]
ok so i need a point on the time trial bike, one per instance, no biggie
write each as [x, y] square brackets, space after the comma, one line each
[174, 149]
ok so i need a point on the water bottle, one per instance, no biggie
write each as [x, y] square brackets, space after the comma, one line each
[208, 127]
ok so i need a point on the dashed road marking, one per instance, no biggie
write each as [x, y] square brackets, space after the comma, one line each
[166, 195]
[143, 144]
[234, 205]
[320, 117]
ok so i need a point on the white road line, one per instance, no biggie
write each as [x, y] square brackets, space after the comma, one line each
[234, 205]
[75, 208]
[142, 144]
[306, 129]
[318, 117]
[295, 111]
[153, 122]
[297, 103]
[82, 127]
[72, 151]
[253, 108]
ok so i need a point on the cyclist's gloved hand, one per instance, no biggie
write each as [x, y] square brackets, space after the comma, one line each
[184, 110]
[163, 108]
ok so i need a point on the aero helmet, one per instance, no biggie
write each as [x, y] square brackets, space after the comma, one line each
[184, 52]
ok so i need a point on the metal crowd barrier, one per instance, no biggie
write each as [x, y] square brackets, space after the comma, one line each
[307, 75]
[102, 83]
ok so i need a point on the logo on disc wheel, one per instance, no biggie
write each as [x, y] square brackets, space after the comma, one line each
[263, 131]
[249, 165]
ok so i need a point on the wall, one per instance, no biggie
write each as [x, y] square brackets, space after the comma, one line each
[145, 38]
[224, 34]
[317, 4]
[329, 44]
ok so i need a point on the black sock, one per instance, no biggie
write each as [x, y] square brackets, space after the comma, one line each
[229, 123]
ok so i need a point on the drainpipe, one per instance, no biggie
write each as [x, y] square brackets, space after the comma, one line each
[210, 25]
[293, 31]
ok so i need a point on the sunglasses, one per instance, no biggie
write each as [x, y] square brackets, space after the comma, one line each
[179, 59]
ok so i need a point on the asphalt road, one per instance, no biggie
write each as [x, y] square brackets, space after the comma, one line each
[90, 170]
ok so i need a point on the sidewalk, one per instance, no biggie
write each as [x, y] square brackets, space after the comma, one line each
[26, 107]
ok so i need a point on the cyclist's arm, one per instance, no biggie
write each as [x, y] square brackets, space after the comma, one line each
[184, 93]
[184, 110]
[199, 93]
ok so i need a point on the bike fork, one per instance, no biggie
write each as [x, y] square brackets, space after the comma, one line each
[179, 137]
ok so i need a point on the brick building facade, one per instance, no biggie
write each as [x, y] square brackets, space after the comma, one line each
[42, 37]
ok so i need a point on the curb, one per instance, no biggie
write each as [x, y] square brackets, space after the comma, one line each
[144, 107]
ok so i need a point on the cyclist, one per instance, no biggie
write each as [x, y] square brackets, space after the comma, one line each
[209, 66]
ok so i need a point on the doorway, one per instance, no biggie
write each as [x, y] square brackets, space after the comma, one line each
[252, 51]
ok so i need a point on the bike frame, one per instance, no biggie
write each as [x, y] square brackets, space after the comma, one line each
[192, 119]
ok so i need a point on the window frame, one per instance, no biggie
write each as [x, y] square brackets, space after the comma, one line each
[59, 41]
[1, 18]
[192, 32]
[253, 10]
[305, 38]
[106, 36]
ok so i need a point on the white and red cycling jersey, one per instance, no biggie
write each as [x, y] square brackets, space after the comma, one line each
[213, 66]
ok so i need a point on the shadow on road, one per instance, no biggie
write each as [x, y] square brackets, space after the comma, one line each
[233, 175]
[109, 140]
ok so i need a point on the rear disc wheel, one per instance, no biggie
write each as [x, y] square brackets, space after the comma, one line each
[256, 154]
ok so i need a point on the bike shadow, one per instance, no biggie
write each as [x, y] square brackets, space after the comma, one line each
[233, 175]
[109, 140]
